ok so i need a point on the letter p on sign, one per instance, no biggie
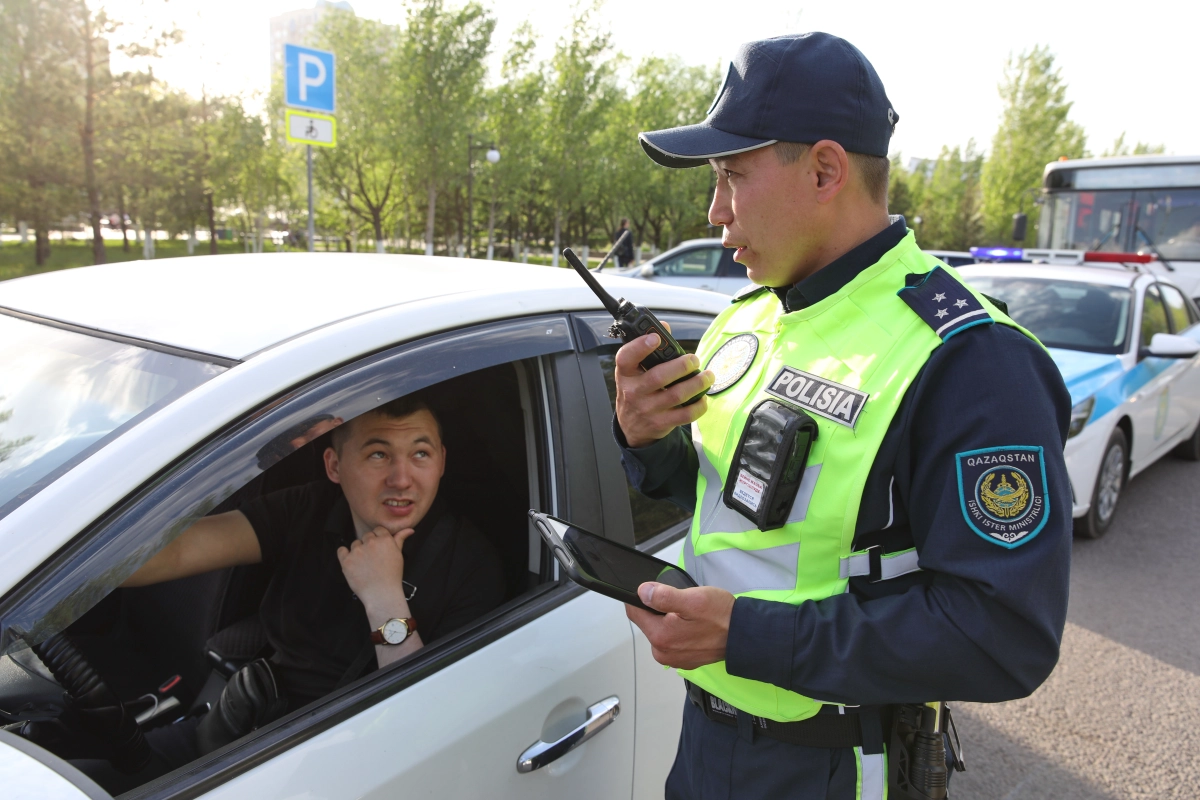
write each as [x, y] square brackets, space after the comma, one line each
[309, 79]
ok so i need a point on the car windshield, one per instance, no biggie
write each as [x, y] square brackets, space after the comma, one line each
[65, 394]
[1125, 221]
[1072, 315]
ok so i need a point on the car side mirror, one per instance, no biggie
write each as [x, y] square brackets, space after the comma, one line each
[647, 271]
[1169, 345]
[1020, 224]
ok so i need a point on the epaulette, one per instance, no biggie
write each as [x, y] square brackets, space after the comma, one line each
[749, 290]
[943, 302]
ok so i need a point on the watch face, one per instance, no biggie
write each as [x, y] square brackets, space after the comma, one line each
[395, 631]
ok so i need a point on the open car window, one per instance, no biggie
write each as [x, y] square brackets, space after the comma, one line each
[492, 387]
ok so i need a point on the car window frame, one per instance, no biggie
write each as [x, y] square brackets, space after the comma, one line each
[1142, 343]
[544, 340]
[661, 271]
[1166, 287]
[617, 514]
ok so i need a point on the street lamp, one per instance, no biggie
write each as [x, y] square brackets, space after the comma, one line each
[493, 157]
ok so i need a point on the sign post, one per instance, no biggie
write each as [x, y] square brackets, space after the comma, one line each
[310, 85]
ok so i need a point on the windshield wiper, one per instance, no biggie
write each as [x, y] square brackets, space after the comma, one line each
[1154, 247]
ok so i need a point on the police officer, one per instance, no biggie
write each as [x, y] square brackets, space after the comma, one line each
[918, 548]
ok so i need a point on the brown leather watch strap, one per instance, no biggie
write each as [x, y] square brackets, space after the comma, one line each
[409, 623]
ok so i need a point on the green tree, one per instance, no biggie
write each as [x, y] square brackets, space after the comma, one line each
[1121, 148]
[38, 141]
[1034, 130]
[364, 171]
[950, 201]
[516, 122]
[580, 89]
[439, 79]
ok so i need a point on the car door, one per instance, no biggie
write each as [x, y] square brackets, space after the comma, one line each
[654, 526]
[1151, 383]
[547, 678]
[695, 268]
[1184, 408]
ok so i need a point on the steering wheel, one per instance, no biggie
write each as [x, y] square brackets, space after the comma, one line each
[93, 709]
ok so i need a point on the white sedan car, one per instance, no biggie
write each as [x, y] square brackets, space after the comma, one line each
[1126, 344]
[137, 398]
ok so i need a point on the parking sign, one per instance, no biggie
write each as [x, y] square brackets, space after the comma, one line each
[308, 78]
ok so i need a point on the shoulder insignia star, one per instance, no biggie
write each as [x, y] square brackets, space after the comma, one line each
[941, 313]
[960, 304]
[939, 297]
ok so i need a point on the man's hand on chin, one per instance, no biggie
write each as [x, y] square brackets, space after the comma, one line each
[694, 629]
[374, 568]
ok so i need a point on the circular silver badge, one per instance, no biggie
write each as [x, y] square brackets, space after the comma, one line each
[731, 361]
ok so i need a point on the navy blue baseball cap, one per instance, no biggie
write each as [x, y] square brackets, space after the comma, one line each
[801, 88]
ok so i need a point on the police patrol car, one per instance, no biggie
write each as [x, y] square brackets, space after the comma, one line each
[1125, 341]
[135, 398]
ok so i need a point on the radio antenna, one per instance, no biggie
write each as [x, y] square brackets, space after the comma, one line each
[607, 299]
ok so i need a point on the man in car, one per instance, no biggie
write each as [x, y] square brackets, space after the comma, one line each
[366, 567]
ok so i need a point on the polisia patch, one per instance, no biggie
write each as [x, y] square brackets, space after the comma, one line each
[823, 397]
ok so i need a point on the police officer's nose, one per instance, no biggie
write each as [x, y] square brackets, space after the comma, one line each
[721, 210]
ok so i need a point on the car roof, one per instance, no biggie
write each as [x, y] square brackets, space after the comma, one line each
[1106, 275]
[235, 306]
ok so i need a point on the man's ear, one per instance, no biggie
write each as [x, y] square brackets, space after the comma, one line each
[443, 472]
[832, 168]
[331, 465]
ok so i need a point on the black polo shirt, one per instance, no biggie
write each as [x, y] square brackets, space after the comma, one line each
[315, 624]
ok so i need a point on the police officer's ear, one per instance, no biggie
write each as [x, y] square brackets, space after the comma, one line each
[831, 168]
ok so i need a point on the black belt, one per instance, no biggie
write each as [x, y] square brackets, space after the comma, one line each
[823, 730]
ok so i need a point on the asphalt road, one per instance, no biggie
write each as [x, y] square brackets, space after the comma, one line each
[1120, 715]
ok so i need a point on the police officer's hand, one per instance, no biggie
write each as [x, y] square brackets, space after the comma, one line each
[647, 405]
[694, 629]
[374, 568]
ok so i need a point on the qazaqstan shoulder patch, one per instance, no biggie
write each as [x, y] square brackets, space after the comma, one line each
[1003, 493]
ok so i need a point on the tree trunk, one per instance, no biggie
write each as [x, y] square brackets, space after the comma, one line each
[429, 217]
[557, 236]
[41, 243]
[491, 251]
[377, 223]
[121, 212]
[88, 139]
[212, 223]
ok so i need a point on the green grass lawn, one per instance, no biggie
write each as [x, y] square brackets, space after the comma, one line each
[17, 259]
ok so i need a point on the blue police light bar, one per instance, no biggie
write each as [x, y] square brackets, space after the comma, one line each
[998, 253]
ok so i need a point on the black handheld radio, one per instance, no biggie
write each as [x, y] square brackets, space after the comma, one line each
[631, 320]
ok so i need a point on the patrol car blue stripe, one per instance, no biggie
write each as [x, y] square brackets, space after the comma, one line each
[962, 500]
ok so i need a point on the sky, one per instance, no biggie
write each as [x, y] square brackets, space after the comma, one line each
[1128, 67]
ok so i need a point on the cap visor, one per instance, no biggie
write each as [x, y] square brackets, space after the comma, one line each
[694, 145]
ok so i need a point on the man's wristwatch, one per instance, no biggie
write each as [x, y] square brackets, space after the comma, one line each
[394, 631]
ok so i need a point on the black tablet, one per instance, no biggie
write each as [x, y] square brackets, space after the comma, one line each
[603, 566]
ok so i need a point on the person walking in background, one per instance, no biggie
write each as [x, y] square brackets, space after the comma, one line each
[623, 257]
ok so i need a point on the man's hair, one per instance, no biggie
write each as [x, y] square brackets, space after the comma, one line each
[624, 221]
[872, 171]
[393, 409]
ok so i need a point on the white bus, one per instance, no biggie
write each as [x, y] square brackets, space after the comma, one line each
[1142, 204]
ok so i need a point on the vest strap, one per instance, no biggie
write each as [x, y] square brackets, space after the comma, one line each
[878, 566]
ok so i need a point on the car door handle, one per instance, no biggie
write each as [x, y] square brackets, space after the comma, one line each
[599, 717]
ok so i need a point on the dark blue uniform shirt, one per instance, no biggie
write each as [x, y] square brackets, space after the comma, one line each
[979, 622]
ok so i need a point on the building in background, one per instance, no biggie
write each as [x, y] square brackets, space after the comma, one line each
[295, 27]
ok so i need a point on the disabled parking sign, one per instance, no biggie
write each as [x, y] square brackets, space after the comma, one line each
[309, 80]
